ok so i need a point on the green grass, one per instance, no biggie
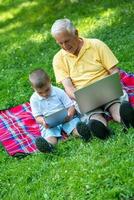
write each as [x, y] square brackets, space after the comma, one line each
[76, 171]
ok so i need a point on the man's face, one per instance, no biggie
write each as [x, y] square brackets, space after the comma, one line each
[44, 91]
[68, 41]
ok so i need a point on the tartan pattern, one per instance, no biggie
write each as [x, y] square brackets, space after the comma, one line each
[127, 81]
[18, 128]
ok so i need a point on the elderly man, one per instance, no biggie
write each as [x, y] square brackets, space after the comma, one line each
[81, 62]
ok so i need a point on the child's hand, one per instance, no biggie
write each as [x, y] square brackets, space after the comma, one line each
[46, 125]
[71, 112]
[40, 120]
[67, 119]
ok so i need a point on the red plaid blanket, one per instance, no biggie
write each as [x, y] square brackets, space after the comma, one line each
[127, 80]
[18, 128]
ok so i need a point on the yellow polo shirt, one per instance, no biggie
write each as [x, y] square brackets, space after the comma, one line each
[92, 63]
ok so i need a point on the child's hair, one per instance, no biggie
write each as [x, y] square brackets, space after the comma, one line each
[38, 78]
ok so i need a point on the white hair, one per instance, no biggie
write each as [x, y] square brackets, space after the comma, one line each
[62, 25]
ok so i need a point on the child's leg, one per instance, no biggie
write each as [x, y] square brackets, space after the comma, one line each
[68, 127]
[48, 140]
[51, 140]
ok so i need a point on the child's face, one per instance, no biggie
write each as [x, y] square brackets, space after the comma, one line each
[45, 91]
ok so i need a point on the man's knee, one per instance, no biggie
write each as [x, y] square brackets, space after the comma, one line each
[114, 110]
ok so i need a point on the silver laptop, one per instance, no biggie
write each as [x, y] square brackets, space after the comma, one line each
[56, 118]
[99, 93]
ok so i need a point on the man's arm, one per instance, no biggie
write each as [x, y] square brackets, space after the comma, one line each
[69, 88]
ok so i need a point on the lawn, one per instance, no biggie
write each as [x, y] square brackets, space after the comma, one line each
[99, 170]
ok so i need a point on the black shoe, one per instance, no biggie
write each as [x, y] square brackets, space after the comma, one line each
[98, 129]
[84, 131]
[127, 114]
[43, 146]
